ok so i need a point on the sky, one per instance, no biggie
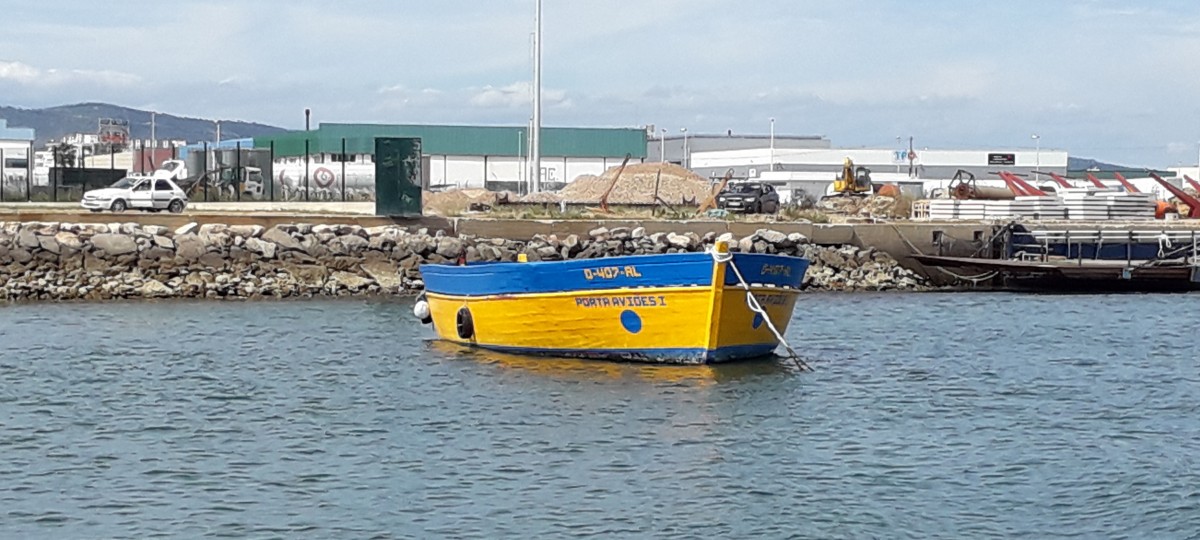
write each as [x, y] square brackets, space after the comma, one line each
[1117, 81]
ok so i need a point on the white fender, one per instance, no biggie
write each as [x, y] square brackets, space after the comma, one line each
[421, 311]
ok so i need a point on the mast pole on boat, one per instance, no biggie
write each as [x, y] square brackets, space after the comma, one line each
[535, 146]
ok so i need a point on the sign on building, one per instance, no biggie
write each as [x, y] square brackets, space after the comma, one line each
[1002, 159]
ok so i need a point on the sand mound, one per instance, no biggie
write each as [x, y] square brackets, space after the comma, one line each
[676, 185]
[455, 201]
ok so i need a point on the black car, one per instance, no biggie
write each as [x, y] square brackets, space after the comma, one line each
[749, 197]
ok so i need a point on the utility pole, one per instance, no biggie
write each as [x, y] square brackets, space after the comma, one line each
[535, 146]
[684, 160]
[771, 165]
[912, 156]
[1037, 140]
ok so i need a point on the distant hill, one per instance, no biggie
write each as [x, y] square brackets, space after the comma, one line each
[1083, 164]
[53, 123]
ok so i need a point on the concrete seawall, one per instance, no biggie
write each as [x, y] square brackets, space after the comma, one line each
[99, 261]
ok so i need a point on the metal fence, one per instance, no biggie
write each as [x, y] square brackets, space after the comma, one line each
[214, 172]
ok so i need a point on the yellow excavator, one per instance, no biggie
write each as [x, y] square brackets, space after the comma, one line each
[853, 181]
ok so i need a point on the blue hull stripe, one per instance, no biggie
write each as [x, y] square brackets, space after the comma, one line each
[684, 355]
[667, 270]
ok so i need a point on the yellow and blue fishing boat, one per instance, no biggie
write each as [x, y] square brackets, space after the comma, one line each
[685, 308]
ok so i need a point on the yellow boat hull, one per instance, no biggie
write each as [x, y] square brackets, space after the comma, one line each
[670, 325]
[687, 308]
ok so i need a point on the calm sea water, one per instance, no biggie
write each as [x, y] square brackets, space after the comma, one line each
[929, 416]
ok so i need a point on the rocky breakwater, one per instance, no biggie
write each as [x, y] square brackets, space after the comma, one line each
[66, 261]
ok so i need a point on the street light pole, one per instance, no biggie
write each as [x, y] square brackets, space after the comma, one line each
[898, 143]
[535, 145]
[662, 145]
[771, 165]
[684, 159]
[1037, 140]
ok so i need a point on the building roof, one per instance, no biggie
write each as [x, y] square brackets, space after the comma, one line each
[15, 134]
[505, 141]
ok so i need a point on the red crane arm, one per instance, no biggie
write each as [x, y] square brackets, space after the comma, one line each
[1192, 202]
[1061, 181]
[1125, 183]
[1096, 181]
[1029, 189]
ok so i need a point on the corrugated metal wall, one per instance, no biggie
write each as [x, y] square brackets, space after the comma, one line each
[464, 140]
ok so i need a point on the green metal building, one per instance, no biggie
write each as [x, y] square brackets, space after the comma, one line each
[463, 156]
[499, 141]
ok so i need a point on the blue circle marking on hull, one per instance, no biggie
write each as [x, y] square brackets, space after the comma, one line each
[631, 321]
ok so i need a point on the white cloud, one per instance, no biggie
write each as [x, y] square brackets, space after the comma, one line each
[517, 95]
[27, 75]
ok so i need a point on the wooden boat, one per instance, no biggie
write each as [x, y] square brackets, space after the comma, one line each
[683, 308]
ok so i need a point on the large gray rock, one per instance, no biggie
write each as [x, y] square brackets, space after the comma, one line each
[216, 241]
[261, 247]
[282, 239]
[190, 246]
[214, 228]
[69, 240]
[449, 247]
[156, 289]
[771, 237]
[679, 241]
[350, 281]
[157, 253]
[28, 239]
[348, 244]
[164, 242]
[114, 244]
[384, 273]
[49, 244]
[246, 231]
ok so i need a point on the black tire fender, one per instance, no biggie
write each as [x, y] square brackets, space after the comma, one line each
[465, 323]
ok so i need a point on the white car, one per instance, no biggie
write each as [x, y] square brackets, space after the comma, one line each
[153, 194]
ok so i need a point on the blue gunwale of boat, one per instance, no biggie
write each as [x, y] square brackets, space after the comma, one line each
[694, 355]
[665, 270]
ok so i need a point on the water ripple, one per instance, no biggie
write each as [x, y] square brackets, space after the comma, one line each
[932, 416]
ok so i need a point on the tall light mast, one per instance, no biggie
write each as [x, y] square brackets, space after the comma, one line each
[535, 146]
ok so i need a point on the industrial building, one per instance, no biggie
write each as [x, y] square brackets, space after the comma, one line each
[678, 149]
[15, 143]
[495, 157]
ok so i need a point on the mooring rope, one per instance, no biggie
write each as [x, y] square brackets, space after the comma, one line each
[975, 280]
[755, 306]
